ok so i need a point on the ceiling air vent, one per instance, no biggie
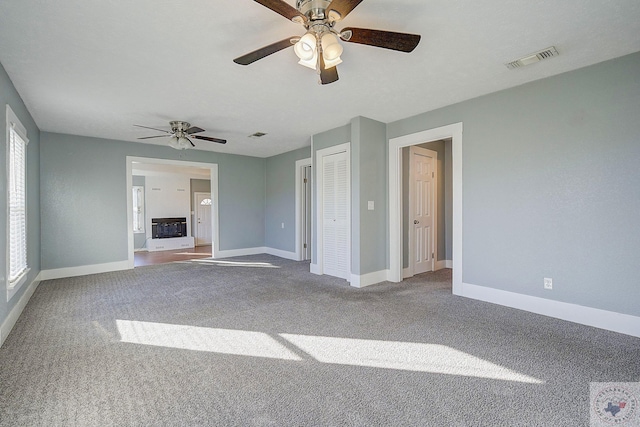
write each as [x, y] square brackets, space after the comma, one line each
[533, 58]
[257, 135]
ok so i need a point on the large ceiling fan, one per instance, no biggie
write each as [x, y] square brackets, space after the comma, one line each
[180, 133]
[319, 47]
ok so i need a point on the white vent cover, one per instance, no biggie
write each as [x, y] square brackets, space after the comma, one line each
[533, 58]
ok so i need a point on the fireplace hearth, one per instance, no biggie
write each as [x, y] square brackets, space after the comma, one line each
[165, 228]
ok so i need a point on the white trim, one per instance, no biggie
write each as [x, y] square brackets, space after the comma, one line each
[603, 319]
[315, 269]
[16, 311]
[300, 165]
[453, 131]
[83, 270]
[360, 281]
[239, 252]
[213, 177]
[439, 265]
[448, 264]
[282, 254]
[320, 154]
[16, 124]
[406, 272]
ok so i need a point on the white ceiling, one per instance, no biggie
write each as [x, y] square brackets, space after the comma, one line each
[95, 68]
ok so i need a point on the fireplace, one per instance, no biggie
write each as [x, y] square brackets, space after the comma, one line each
[164, 228]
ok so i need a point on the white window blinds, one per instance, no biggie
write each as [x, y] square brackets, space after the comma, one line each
[17, 200]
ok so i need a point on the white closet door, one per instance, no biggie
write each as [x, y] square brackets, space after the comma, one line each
[335, 201]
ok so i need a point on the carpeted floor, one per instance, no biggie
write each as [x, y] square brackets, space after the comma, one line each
[259, 341]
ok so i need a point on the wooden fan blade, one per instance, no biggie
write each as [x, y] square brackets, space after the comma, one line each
[208, 138]
[342, 7]
[263, 52]
[402, 42]
[157, 136]
[147, 127]
[282, 8]
[194, 129]
[327, 76]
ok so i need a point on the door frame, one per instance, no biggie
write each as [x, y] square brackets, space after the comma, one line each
[213, 176]
[300, 165]
[320, 154]
[453, 131]
[434, 216]
[195, 224]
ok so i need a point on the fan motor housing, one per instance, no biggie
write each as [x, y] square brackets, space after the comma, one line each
[313, 9]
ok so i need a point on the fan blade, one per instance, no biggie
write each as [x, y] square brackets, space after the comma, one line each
[190, 142]
[284, 9]
[157, 136]
[342, 8]
[147, 127]
[327, 76]
[194, 129]
[263, 52]
[208, 138]
[386, 39]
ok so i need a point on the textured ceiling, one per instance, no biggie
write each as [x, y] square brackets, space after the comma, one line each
[95, 68]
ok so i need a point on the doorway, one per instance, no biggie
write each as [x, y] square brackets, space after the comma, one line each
[422, 210]
[202, 228]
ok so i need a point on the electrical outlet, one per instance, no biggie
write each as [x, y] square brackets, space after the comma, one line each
[548, 283]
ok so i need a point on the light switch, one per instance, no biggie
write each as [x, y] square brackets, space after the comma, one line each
[370, 205]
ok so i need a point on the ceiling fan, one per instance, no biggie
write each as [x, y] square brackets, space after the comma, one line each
[319, 47]
[180, 133]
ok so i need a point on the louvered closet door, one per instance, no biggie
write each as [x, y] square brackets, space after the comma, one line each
[335, 194]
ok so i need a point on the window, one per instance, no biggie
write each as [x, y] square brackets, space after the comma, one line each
[205, 202]
[16, 201]
[138, 209]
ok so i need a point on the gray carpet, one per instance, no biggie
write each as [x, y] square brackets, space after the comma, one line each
[259, 341]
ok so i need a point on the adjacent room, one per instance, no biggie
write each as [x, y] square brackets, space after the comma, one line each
[320, 212]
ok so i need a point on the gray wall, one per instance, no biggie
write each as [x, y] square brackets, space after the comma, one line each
[139, 239]
[83, 183]
[9, 95]
[550, 185]
[280, 199]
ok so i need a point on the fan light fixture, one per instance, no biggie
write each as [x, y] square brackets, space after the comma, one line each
[179, 142]
[307, 50]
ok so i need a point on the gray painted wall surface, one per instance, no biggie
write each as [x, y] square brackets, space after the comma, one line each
[550, 185]
[444, 235]
[84, 188]
[9, 95]
[139, 239]
[280, 199]
[320, 141]
[368, 183]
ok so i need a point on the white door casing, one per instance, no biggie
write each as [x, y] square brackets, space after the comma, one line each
[203, 218]
[301, 186]
[422, 209]
[333, 232]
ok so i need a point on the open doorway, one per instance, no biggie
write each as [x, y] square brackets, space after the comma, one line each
[169, 188]
[452, 133]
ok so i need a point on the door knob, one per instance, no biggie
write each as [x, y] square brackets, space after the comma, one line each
[416, 221]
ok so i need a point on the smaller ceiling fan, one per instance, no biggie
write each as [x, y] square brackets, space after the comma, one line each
[180, 133]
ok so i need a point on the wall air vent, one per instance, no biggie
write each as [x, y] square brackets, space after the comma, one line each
[257, 135]
[533, 58]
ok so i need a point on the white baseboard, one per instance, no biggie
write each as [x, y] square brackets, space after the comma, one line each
[282, 254]
[314, 269]
[83, 270]
[448, 263]
[15, 313]
[407, 272]
[360, 281]
[439, 265]
[603, 319]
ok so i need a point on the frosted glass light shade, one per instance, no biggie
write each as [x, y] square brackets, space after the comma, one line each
[331, 48]
[305, 49]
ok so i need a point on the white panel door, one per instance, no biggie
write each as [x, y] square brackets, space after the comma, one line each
[422, 205]
[335, 214]
[203, 219]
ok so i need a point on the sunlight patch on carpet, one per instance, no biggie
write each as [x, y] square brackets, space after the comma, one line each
[408, 356]
[224, 341]
[223, 263]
